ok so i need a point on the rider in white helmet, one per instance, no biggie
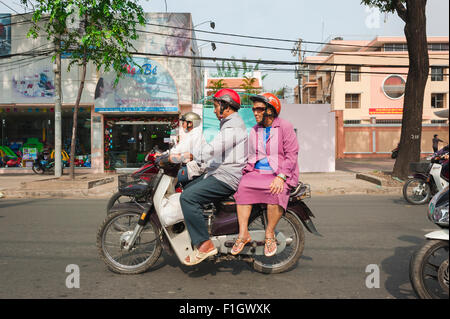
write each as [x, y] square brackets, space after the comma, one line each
[191, 143]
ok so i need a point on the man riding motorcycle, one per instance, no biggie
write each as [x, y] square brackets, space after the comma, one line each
[225, 157]
[191, 143]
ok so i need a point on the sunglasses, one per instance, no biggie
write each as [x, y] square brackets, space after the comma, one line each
[258, 109]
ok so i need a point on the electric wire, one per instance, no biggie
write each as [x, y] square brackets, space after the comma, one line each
[279, 48]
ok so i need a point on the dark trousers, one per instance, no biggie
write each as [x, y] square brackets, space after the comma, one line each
[197, 193]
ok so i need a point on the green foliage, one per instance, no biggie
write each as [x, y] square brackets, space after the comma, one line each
[233, 69]
[280, 93]
[383, 5]
[107, 29]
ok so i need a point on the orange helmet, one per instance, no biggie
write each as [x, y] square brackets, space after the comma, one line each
[269, 99]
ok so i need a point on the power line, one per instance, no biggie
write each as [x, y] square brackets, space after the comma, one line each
[25, 64]
[275, 48]
[269, 62]
[263, 38]
[318, 71]
[8, 7]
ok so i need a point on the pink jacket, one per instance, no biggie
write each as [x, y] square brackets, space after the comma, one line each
[282, 150]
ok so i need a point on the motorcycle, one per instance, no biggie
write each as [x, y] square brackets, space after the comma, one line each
[395, 151]
[41, 166]
[145, 173]
[146, 232]
[428, 269]
[426, 180]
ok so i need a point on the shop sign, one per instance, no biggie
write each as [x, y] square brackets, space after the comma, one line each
[379, 111]
[29, 153]
[146, 87]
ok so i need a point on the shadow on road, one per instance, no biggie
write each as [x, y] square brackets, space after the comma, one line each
[12, 203]
[207, 268]
[397, 268]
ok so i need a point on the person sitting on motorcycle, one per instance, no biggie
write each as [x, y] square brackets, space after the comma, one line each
[271, 171]
[191, 143]
[225, 157]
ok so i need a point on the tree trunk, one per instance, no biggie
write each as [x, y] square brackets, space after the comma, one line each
[411, 133]
[75, 122]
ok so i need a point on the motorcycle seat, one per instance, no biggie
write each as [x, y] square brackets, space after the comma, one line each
[134, 190]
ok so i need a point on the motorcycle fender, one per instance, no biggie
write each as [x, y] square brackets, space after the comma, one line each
[421, 176]
[302, 211]
[133, 207]
[439, 234]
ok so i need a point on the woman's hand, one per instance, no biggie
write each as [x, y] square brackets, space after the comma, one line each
[277, 186]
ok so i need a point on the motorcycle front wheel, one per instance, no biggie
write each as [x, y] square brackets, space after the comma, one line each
[37, 169]
[292, 229]
[428, 270]
[417, 191]
[110, 243]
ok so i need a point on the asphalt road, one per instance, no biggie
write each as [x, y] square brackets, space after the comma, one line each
[39, 238]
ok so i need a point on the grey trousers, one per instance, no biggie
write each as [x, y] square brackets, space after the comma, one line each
[199, 192]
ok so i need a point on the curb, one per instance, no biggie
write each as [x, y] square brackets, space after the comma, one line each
[370, 179]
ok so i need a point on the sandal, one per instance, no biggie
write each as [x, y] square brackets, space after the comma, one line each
[197, 256]
[270, 242]
[239, 244]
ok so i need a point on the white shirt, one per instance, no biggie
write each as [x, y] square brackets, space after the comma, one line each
[192, 143]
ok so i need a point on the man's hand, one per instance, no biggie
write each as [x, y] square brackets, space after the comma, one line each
[187, 157]
[174, 158]
[277, 186]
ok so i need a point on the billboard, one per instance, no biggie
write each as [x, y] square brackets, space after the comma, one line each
[146, 87]
[5, 34]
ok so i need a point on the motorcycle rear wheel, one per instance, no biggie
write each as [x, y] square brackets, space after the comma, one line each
[110, 240]
[425, 270]
[292, 229]
[410, 192]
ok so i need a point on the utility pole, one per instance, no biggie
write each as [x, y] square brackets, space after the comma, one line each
[297, 50]
[58, 146]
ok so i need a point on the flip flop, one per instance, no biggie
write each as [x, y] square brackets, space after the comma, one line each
[197, 256]
[270, 242]
[239, 244]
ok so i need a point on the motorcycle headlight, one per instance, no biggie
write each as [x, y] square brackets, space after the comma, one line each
[439, 215]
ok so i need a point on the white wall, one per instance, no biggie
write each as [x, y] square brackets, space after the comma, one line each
[315, 126]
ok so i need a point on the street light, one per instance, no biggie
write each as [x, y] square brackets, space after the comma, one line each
[212, 24]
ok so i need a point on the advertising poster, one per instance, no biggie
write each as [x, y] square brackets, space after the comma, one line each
[5, 34]
[34, 83]
[146, 87]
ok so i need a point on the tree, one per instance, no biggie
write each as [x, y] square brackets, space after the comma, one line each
[233, 69]
[217, 85]
[248, 84]
[412, 12]
[280, 93]
[103, 37]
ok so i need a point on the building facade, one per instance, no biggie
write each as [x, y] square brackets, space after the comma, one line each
[365, 82]
[118, 124]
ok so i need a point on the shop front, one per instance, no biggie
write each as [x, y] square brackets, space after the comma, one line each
[129, 138]
[27, 130]
[139, 114]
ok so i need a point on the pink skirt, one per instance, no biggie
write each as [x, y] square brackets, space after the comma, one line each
[254, 188]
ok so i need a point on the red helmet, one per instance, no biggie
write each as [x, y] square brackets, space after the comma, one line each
[268, 99]
[228, 96]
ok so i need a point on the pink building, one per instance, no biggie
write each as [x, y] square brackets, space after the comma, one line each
[367, 88]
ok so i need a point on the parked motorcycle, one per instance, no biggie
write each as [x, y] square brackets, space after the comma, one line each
[145, 173]
[395, 151]
[41, 166]
[428, 270]
[426, 180]
[137, 247]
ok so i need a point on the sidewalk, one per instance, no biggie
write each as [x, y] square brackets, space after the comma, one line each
[341, 182]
